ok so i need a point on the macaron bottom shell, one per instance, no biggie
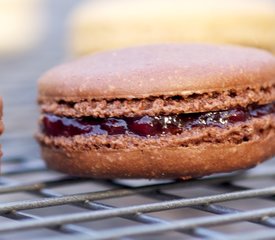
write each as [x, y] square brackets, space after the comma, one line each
[195, 153]
[154, 162]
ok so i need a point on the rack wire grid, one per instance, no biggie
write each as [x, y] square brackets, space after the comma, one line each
[36, 203]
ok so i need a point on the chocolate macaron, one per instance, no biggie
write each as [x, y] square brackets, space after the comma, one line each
[160, 111]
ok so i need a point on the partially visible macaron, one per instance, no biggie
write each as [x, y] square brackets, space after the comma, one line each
[160, 111]
[98, 25]
[1, 120]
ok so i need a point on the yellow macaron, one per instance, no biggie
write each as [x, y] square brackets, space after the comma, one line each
[101, 25]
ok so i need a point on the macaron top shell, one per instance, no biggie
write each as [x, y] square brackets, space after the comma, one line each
[158, 70]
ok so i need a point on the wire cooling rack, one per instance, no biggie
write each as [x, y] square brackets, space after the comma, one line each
[37, 204]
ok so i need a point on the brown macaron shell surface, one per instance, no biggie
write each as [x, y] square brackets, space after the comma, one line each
[220, 98]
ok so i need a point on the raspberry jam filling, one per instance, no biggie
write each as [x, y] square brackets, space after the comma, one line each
[53, 125]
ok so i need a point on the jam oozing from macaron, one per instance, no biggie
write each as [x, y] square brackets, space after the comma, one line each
[53, 125]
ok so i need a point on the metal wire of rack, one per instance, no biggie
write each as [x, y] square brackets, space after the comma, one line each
[90, 206]
[36, 203]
